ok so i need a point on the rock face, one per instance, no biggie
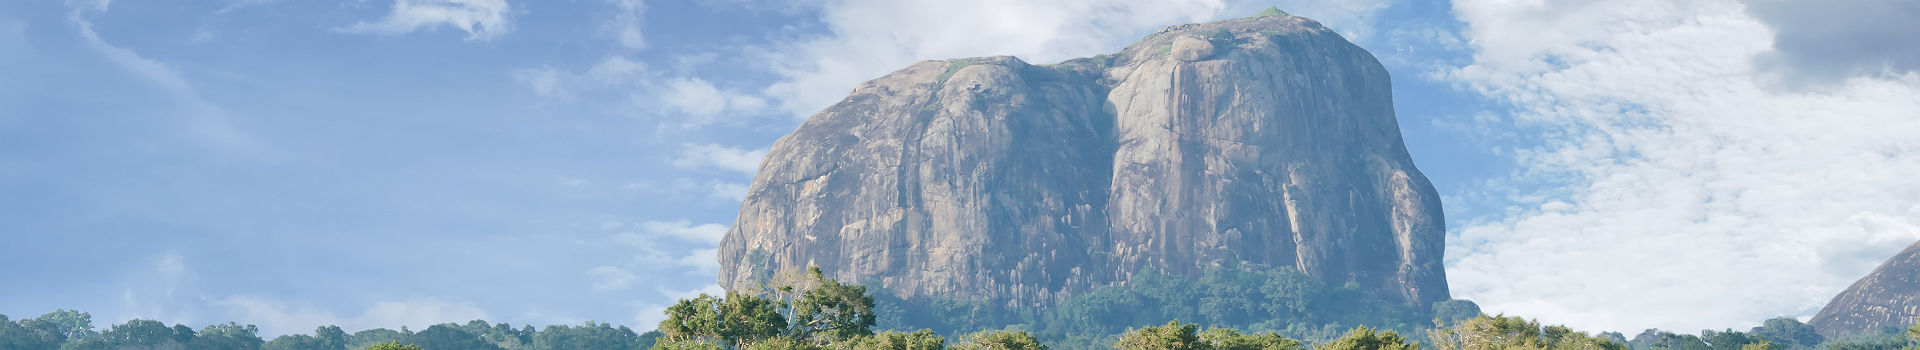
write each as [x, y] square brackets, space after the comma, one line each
[1268, 141]
[1890, 296]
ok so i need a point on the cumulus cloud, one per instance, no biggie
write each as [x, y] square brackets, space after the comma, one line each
[703, 102]
[709, 234]
[868, 38]
[1671, 188]
[481, 19]
[1829, 41]
[713, 156]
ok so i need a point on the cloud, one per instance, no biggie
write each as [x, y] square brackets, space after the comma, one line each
[610, 278]
[709, 234]
[544, 80]
[868, 38]
[705, 103]
[1670, 187]
[652, 314]
[481, 19]
[1829, 41]
[205, 120]
[277, 317]
[625, 25]
[705, 262]
[713, 156]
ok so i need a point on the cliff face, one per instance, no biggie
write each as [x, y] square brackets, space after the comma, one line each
[1890, 296]
[1266, 141]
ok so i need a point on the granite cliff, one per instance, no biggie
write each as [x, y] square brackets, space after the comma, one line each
[1266, 141]
[1887, 297]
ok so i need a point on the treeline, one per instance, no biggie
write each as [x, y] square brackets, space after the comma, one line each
[74, 330]
[1247, 309]
[1280, 300]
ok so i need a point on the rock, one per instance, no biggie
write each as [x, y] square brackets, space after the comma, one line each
[1191, 49]
[1270, 143]
[1890, 296]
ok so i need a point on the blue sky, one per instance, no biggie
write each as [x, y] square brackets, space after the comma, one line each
[374, 163]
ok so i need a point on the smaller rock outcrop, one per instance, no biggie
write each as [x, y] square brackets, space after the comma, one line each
[1890, 296]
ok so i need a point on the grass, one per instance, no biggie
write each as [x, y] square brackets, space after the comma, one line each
[953, 66]
[1270, 12]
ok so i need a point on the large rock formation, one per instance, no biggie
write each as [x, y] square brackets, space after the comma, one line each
[1890, 296]
[1266, 141]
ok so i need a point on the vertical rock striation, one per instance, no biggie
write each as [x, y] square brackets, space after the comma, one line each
[1267, 141]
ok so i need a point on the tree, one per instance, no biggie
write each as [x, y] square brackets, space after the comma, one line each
[1503, 332]
[144, 334]
[393, 345]
[1229, 339]
[14, 336]
[1171, 336]
[923, 339]
[1730, 339]
[1788, 332]
[738, 319]
[63, 323]
[448, 336]
[588, 336]
[371, 337]
[1365, 338]
[829, 309]
[999, 340]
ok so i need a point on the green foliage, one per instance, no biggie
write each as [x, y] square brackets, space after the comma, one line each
[371, 337]
[953, 66]
[1171, 336]
[14, 336]
[229, 336]
[393, 345]
[688, 344]
[588, 336]
[1365, 338]
[737, 319]
[1500, 332]
[891, 340]
[1453, 311]
[1787, 332]
[1229, 339]
[999, 340]
[831, 310]
[63, 324]
[1270, 12]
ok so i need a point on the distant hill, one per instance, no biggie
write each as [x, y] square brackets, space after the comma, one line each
[1888, 297]
[1266, 142]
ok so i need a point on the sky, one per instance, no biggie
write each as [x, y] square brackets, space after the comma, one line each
[1608, 165]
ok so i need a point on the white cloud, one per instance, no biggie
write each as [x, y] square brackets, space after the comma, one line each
[481, 19]
[205, 120]
[704, 103]
[685, 230]
[1680, 192]
[652, 314]
[713, 156]
[610, 278]
[544, 80]
[868, 38]
[625, 25]
[277, 317]
[705, 262]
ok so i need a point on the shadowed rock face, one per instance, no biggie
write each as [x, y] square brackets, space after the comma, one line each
[1267, 141]
[1890, 296]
